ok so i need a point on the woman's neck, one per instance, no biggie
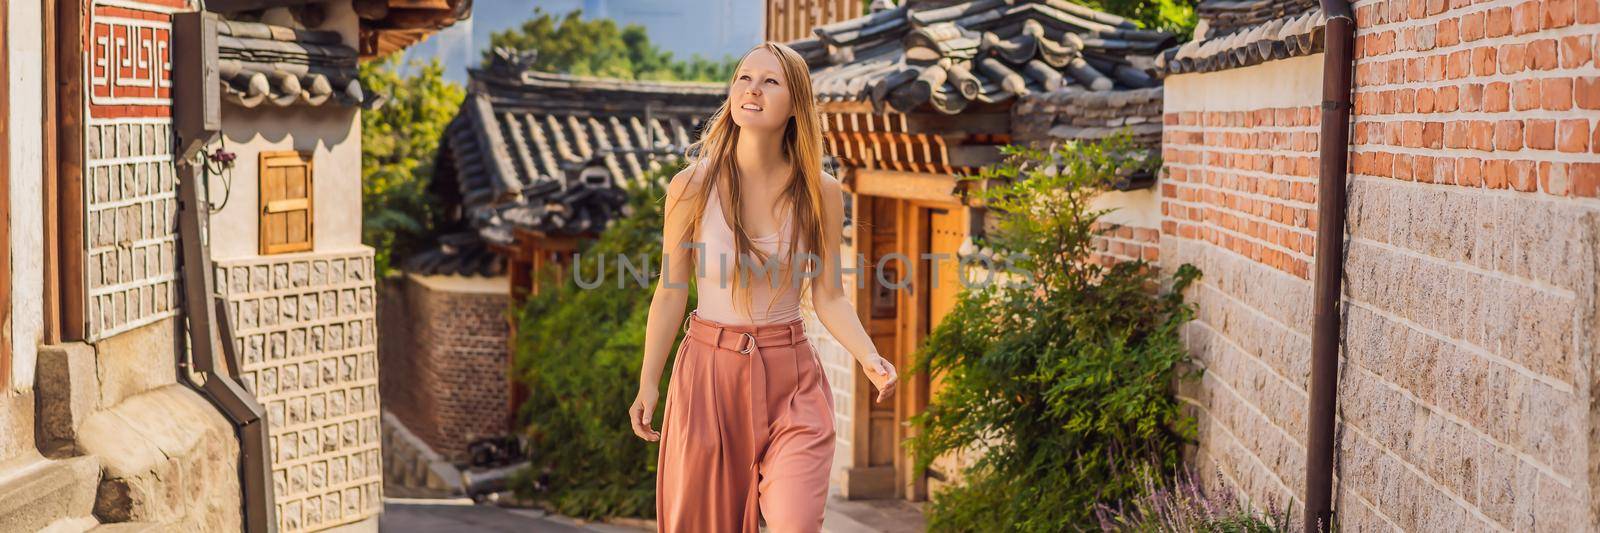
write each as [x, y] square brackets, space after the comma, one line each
[759, 155]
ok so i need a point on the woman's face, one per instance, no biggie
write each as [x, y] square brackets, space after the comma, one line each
[759, 96]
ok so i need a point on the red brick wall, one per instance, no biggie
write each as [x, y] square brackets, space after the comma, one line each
[1126, 243]
[444, 362]
[1467, 385]
[1245, 181]
[1237, 201]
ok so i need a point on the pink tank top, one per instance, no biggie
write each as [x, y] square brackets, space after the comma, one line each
[768, 304]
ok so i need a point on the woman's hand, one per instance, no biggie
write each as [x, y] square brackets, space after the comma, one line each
[644, 406]
[882, 375]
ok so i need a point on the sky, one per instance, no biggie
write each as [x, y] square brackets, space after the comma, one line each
[711, 28]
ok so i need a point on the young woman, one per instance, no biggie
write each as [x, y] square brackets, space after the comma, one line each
[748, 431]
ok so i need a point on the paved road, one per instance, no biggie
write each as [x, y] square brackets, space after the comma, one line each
[452, 516]
[429, 516]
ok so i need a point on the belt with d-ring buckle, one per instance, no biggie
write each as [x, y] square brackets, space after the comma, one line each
[746, 347]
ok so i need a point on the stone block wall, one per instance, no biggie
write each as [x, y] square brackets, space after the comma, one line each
[131, 232]
[129, 182]
[306, 334]
[1467, 380]
[1240, 158]
[446, 359]
[1468, 385]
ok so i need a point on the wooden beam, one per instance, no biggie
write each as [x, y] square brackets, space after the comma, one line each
[371, 9]
[846, 106]
[70, 128]
[5, 201]
[52, 279]
[231, 6]
[906, 185]
[419, 4]
[961, 124]
[415, 19]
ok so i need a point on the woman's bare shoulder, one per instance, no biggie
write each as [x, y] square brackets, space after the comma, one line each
[686, 182]
[829, 183]
[831, 188]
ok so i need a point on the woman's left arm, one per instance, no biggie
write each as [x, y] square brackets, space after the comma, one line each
[833, 309]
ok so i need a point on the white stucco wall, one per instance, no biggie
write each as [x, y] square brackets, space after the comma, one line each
[330, 132]
[1293, 82]
[25, 42]
[1138, 208]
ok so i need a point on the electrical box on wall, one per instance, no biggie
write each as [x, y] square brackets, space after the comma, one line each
[196, 85]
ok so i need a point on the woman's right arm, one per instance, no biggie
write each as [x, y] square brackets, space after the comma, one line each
[668, 302]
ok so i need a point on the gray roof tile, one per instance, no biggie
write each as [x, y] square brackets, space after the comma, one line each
[523, 151]
[262, 64]
[985, 50]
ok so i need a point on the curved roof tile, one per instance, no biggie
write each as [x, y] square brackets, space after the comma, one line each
[988, 51]
[1241, 36]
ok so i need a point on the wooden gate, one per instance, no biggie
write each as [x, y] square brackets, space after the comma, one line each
[946, 229]
[897, 235]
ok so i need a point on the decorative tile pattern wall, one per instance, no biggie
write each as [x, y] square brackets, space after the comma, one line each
[131, 232]
[305, 330]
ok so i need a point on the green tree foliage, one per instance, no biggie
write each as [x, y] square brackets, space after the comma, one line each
[577, 350]
[1062, 385]
[1176, 16]
[398, 143]
[569, 44]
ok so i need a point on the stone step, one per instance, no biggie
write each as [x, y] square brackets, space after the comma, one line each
[77, 524]
[127, 527]
[36, 493]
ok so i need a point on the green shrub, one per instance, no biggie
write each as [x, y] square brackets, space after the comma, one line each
[577, 350]
[1062, 385]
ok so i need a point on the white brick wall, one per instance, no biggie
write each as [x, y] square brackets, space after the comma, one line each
[131, 230]
[305, 330]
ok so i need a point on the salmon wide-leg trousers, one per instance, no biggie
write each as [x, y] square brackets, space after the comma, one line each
[747, 434]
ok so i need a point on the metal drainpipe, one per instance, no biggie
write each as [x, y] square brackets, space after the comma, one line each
[208, 337]
[197, 119]
[1333, 154]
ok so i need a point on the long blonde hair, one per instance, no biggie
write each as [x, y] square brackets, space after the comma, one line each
[802, 146]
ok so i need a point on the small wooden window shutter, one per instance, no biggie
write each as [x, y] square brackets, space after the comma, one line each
[285, 202]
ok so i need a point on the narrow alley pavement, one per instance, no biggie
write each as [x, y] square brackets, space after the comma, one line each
[406, 515]
[460, 515]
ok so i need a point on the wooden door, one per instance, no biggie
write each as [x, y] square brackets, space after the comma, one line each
[898, 320]
[945, 233]
[925, 228]
[876, 441]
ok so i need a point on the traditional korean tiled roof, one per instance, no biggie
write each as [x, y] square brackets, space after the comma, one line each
[1075, 113]
[388, 26]
[263, 64]
[459, 254]
[1229, 16]
[555, 153]
[1234, 40]
[986, 51]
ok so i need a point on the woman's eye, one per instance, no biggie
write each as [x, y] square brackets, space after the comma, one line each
[772, 81]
